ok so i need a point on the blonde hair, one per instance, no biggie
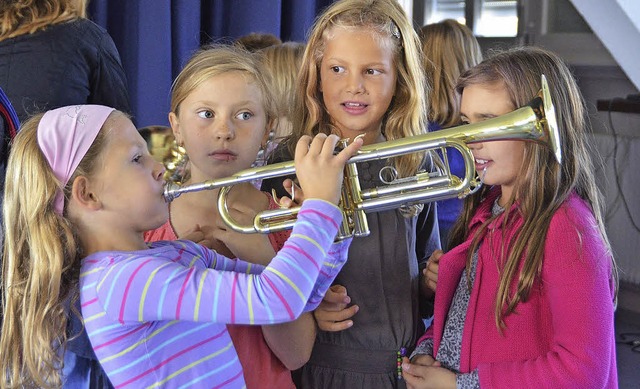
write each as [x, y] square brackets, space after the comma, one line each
[215, 60]
[449, 49]
[29, 16]
[544, 183]
[283, 62]
[40, 266]
[406, 116]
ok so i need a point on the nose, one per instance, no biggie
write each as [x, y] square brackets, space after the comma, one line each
[475, 146]
[356, 83]
[158, 171]
[224, 130]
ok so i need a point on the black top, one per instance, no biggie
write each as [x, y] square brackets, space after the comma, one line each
[66, 64]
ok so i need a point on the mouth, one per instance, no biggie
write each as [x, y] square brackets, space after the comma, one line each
[354, 107]
[224, 155]
[482, 163]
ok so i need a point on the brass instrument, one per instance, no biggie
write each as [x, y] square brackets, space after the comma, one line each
[534, 122]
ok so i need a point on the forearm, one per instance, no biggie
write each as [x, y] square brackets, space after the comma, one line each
[256, 249]
[292, 342]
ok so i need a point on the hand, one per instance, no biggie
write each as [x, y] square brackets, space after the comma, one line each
[419, 376]
[296, 193]
[244, 203]
[197, 235]
[424, 360]
[430, 273]
[319, 171]
[332, 314]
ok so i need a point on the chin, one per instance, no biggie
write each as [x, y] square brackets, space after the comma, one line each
[160, 218]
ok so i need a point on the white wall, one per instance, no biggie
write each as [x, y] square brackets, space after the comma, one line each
[616, 23]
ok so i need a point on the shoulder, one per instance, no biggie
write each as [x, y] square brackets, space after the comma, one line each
[87, 35]
[574, 217]
[573, 239]
[79, 29]
[87, 26]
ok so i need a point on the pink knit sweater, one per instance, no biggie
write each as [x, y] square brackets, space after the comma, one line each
[563, 335]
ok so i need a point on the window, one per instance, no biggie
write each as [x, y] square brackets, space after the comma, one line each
[487, 18]
[497, 18]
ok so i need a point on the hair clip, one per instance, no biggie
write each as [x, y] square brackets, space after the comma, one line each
[395, 31]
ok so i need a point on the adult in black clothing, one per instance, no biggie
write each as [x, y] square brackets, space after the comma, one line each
[52, 56]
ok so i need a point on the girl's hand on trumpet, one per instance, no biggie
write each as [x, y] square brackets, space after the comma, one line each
[295, 192]
[319, 171]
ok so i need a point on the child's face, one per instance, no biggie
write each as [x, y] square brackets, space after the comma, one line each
[130, 186]
[357, 81]
[502, 159]
[222, 124]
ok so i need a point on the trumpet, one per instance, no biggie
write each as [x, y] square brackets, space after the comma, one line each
[533, 122]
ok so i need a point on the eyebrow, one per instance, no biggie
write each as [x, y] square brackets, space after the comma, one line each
[365, 65]
[243, 103]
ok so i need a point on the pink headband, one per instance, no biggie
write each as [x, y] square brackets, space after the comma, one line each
[64, 136]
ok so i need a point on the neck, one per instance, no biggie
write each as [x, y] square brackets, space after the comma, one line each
[202, 197]
[97, 241]
[370, 137]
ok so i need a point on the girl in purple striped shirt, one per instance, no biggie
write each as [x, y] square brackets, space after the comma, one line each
[81, 184]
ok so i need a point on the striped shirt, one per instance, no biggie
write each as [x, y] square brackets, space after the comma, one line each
[157, 317]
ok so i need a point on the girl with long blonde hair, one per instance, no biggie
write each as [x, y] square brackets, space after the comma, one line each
[81, 191]
[362, 75]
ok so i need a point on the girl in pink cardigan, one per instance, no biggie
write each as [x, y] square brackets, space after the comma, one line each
[526, 297]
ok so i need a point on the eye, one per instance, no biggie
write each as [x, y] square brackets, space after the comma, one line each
[137, 158]
[464, 120]
[337, 69]
[205, 114]
[244, 115]
[373, 71]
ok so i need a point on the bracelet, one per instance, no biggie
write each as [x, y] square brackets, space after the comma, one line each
[401, 353]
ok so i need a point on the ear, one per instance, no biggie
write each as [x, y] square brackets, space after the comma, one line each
[175, 127]
[83, 195]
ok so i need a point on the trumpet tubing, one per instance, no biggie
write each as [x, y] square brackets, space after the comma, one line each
[534, 122]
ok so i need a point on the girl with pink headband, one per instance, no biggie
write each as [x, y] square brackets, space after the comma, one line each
[81, 190]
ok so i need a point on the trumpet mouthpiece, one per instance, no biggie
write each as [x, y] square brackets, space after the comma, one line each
[171, 191]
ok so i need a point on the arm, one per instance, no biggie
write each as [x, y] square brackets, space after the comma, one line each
[278, 294]
[292, 342]
[576, 278]
[244, 203]
[427, 242]
[294, 282]
[428, 253]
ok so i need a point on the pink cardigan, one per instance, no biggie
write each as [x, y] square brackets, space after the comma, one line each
[563, 335]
